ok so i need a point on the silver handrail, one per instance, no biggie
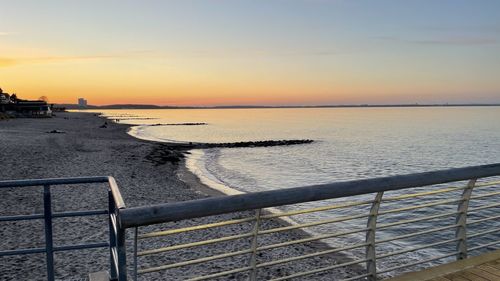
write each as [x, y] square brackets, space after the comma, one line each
[171, 212]
[147, 215]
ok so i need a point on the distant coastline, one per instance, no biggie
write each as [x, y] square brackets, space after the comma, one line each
[150, 106]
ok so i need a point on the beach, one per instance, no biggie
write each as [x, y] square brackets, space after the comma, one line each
[75, 144]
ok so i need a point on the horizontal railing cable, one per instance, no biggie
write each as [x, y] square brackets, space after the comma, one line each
[319, 270]
[435, 203]
[311, 255]
[416, 234]
[417, 262]
[484, 246]
[416, 248]
[195, 261]
[194, 244]
[425, 218]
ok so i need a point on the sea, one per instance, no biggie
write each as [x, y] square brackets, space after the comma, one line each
[349, 144]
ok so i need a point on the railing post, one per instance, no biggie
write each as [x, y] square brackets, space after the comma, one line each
[49, 245]
[117, 243]
[371, 263]
[135, 252]
[122, 254]
[253, 259]
[461, 221]
[113, 274]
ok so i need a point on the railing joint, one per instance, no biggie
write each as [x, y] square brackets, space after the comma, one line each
[461, 220]
[371, 256]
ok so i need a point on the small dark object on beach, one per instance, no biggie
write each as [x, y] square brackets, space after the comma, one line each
[4, 116]
[105, 125]
[56, 132]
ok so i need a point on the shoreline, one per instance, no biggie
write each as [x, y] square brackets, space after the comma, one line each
[199, 182]
[145, 174]
[194, 181]
[209, 187]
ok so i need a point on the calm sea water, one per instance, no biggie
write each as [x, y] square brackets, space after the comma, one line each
[350, 143]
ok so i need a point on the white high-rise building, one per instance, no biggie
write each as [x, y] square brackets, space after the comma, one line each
[82, 102]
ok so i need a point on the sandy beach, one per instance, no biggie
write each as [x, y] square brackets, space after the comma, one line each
[27, 150]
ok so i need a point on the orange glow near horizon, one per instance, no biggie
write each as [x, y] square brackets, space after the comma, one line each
[105, 81]
[194, 54]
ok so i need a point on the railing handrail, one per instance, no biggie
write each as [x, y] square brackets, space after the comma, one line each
[121, 218]
[120, 204]
[161, 213]
[52, 181]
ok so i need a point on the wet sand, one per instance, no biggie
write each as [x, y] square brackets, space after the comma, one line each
[85, 149]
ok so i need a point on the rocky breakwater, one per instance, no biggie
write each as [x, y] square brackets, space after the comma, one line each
[176, 124]
[175, 152]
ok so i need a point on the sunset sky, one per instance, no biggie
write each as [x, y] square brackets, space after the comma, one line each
[259, 52]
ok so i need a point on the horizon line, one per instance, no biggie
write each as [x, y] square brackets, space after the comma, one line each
[153, 106]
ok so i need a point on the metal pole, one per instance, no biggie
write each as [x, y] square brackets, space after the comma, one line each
[371, 256]
[461, 221]
[112, 237]
[121, 250]
[135, 253]
[253, 259]
[49, 245]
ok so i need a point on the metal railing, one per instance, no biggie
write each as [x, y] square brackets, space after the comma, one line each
[116, 233]
[364, 229]
[421, 206]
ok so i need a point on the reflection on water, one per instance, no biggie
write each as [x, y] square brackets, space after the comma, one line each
[351, 143]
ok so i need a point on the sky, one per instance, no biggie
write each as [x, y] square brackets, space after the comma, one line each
[253, 52]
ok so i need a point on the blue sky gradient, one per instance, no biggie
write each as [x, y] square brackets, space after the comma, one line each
[299, 51]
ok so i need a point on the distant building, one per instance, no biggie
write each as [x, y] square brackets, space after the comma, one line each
[15, 107]
[4, 101]
[4, 97]
[82, 102]
[27, 108]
